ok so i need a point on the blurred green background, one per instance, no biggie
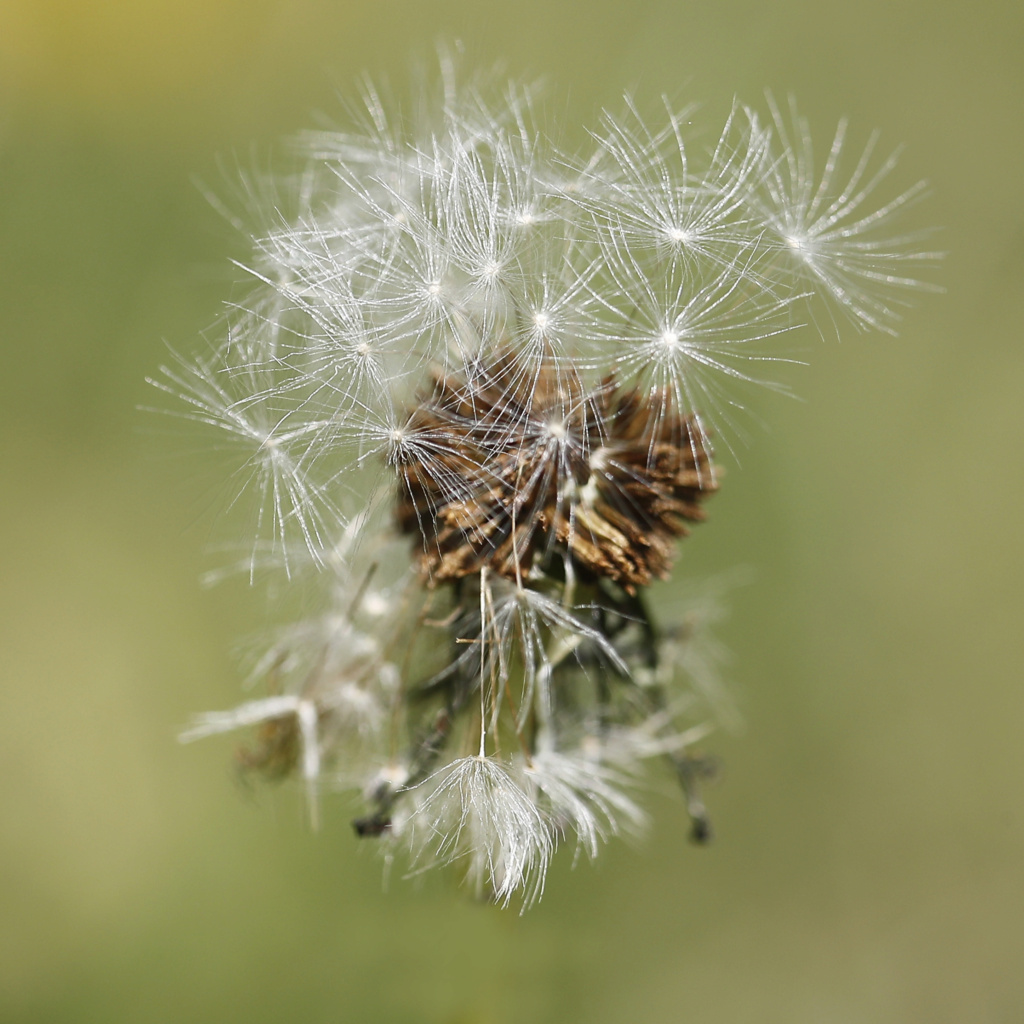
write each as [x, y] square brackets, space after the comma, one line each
[871, 828]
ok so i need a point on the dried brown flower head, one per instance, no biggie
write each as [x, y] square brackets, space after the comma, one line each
[516, 470]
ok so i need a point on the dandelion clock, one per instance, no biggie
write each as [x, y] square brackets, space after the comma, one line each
[475, 393]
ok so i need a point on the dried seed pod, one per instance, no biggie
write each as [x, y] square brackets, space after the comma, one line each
[606, 478]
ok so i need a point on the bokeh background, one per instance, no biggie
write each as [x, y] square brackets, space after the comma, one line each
[870, 824]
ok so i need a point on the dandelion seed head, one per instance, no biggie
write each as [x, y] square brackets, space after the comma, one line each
[471, 396]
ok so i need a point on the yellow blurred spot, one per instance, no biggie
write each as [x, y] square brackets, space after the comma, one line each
[118, 54]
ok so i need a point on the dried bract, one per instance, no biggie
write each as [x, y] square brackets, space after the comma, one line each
[539, 472]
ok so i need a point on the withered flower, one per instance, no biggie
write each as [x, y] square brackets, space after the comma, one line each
[599, 481]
